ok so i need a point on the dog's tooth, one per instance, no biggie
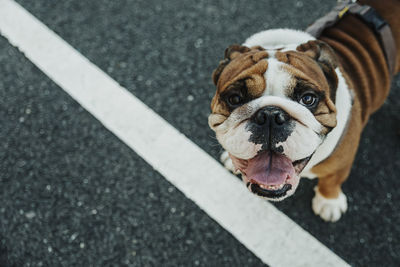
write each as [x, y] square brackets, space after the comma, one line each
[272, 187]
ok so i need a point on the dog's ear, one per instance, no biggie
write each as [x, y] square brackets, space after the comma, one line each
[319, 51]
[217, 72]
[324, 55]
[230, 53]
[235, 50]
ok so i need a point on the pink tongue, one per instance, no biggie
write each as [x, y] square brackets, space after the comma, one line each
[268, 168]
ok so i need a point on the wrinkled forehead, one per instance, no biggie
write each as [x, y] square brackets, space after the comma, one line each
[270, 72]
[247, 65]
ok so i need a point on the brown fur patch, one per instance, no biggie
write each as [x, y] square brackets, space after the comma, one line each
[244, 64]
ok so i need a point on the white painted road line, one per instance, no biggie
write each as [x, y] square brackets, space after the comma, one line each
[263, 229]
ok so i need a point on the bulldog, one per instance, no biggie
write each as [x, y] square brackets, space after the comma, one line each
[289, 105]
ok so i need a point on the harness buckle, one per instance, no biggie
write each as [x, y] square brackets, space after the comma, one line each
[343, 11]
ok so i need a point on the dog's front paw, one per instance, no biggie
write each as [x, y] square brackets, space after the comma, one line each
[329, 209]
[227, 161]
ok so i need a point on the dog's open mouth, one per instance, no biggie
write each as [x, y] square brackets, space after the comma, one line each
[270, 174]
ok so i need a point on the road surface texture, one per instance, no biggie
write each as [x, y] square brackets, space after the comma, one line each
[73, 194]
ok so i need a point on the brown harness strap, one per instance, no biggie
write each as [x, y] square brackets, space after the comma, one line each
[370, 17]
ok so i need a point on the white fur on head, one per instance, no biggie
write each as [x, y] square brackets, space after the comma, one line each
[278, 79]
[278, 38]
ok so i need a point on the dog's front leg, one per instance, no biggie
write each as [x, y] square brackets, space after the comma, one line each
[329, 201]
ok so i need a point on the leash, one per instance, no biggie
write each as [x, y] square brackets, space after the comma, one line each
[370, 17]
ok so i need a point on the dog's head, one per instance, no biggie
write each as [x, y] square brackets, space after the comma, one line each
[272, 110]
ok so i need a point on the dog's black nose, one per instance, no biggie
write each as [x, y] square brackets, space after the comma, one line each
[271, 115]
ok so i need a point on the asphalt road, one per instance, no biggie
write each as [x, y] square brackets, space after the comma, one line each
[72, 194]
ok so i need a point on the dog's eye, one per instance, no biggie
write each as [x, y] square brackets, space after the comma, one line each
[235, 100]
[308, 99]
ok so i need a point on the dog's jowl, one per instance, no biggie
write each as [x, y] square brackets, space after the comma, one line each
[292, 104]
